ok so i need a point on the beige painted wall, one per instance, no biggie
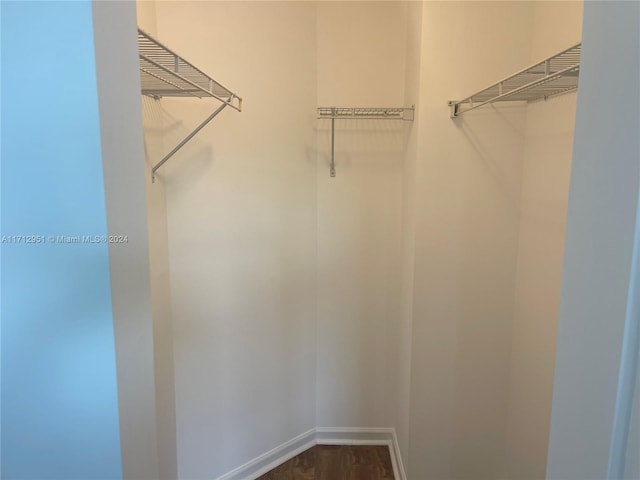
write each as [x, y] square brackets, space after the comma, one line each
[632, 460]
[402, 420]
[131, 292]
[360, 62]
[548, 141]
[467, 223]
[153, 123]
[160, 291]
[384, 296]
[241, 224]
[599, 301]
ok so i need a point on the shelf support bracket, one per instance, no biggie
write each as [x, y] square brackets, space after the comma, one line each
[332, 170]
[453, 109]
[368, 113]
[550, 77]
[186, 139]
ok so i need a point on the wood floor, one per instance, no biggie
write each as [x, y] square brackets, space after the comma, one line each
[336, 462]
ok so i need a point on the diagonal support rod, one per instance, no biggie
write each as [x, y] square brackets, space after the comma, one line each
[186, 139]
[333, 162]
[368, 113]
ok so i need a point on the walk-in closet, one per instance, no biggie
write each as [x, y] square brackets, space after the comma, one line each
[410, 226]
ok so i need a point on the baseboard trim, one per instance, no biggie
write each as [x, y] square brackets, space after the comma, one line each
[396, 457]
[274, 457]
[353, 436]
[320, 436]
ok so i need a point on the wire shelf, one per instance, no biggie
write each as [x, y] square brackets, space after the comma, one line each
[381, 113]
[386, 113]
[553, 76]
[163, 73]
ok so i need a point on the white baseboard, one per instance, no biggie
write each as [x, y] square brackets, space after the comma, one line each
[396, 457]
[270, 460]
[320, 436]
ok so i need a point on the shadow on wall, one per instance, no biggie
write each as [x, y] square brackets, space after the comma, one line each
[360, 220]
[376, 144]
[163, 131]
[484, 198]
[481, 136]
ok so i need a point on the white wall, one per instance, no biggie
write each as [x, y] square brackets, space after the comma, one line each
[601, 224]
[160, 291]
[628, 408]
[360, 62]
[241, 225]
[417, 289]
[122, 149]
[153, 123]
[402, 421]
[546, 163]
[467, 225]
[632, 461]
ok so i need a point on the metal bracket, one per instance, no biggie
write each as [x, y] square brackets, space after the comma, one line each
[553, 76]
[332, 170]
[185, 140]
[164, 73]
[395, 113]
[453, 109]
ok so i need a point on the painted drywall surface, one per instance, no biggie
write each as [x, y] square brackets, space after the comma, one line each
[632, 461]
[467, 204]
[59, 391]
[153, 123]
[403, 369]
[600, 229]
[123, 155]
[241, 223]
[360, 63]
[146, 16]
[160, 290]
[546, 165]
[0, 260]
[625, 458]
[548, 140]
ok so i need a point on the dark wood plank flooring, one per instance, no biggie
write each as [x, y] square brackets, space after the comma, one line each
[336, 462]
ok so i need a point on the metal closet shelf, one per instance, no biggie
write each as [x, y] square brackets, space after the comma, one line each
[371, 113]
[395, 113]
[553, 76]
[164, 73]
